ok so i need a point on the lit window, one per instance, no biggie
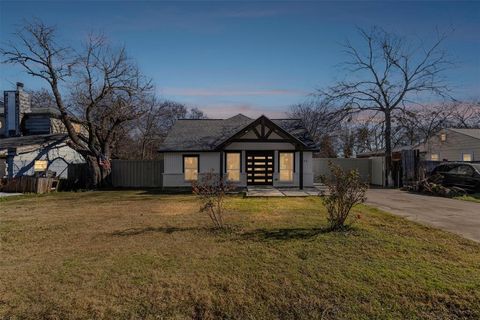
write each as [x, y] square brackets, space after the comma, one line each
[40, 165]
[190, 167]
[443, 137]
[434, 157]
[233, 166]
[286, 166]
[467, 157]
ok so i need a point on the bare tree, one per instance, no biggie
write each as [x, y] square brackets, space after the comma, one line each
[106, 89]
[466, 115]
[323, 120]
[416, 125]
[387, 74]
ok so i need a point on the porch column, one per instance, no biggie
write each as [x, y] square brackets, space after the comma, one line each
[301, 170]
[221, 164]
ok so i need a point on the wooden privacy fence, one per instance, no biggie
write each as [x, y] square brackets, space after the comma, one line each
[137, 173]
[27, 184]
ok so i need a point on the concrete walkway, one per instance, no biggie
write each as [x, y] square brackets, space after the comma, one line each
[269, 191]
[457, 216]
[4, 194]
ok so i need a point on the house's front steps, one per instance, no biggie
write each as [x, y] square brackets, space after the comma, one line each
[270, 191]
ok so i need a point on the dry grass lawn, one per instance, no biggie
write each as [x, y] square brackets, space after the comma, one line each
[130, 255]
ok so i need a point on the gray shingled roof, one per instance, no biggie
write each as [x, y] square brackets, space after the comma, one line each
[33, 140]
[207, 134]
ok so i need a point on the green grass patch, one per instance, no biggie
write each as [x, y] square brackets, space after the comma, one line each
[470, 197]
[138, 254]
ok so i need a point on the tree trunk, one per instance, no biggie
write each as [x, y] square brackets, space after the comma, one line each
[98, 176]
[388, 147]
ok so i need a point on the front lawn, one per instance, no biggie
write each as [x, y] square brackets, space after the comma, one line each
[129, 255]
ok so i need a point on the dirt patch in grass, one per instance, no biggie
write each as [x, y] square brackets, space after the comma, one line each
[131, 255]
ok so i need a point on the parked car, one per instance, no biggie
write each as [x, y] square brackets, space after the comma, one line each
[459, 174]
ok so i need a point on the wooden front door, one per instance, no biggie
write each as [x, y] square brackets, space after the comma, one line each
[259, 167]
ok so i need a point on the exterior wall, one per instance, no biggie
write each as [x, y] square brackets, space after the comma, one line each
[173, 167]
[59, 156]
[453, 148]
[37, 124]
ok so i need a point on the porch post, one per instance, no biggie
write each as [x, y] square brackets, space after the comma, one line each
[221, 164]
[301, 170]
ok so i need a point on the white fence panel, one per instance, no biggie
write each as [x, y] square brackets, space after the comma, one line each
[321, 168]
[378, 171]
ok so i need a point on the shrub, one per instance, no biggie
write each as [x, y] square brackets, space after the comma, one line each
[345, 191]
[211, 189]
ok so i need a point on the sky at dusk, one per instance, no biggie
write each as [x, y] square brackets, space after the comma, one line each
[250, 57]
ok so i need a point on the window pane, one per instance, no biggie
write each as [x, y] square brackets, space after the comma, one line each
[40, 165]
[233, 175]
[233, 166]
[467, 157]
[191, 174]
[286, 166]
[434, 157]
[233, 161]
[191, 168]
[191, 162]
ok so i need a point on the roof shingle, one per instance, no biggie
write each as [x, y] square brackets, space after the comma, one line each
[207, 134]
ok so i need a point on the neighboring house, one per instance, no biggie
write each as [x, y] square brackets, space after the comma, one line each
[32, 139]
[453, 145]
[245, 151]
[37, 153]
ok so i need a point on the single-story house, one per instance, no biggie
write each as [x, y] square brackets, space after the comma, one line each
[453, 145]
[262, 151]
[27, 155]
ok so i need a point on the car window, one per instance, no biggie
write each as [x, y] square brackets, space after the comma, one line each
[443, 168]
[462, 170]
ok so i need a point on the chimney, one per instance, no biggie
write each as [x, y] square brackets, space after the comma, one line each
[16, 105]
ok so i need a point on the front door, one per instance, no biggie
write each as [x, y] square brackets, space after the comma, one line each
[259, 167]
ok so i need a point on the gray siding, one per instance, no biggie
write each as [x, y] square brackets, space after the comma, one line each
[453, 148]
[58, 157]
[37, 124]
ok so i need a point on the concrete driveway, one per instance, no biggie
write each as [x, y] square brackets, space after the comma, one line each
[457, 216]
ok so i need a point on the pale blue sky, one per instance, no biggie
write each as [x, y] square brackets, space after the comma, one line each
[250, 57]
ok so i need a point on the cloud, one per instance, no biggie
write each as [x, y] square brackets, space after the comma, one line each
[228, 110]
[220, 92]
